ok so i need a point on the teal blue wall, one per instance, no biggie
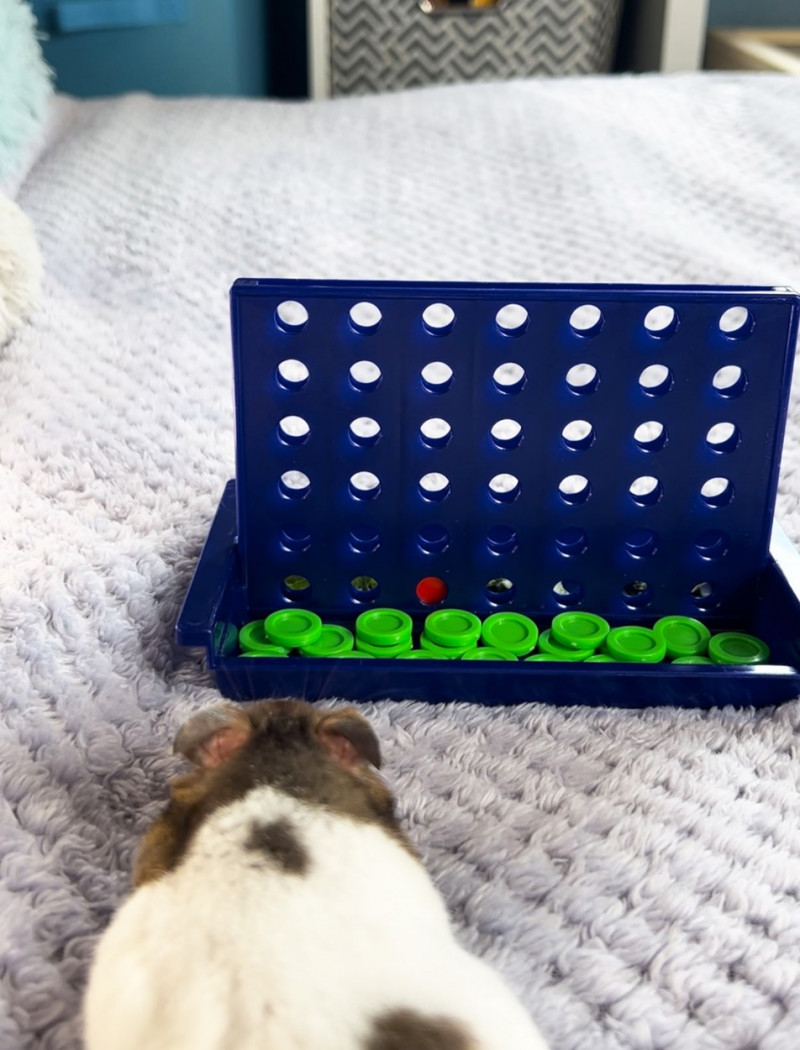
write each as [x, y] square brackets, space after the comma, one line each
[221, 49]
[751, 13]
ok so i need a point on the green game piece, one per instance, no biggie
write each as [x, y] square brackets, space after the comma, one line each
[333, 641]
[487, 653]
[292, 627]
[682, 635]
[384, 628]
[549, 645]
[511, 632]
[453, 628]
[638, 645]
[444, 652]
[353, 654]
[386, 651]
[601, 658]
[579, 630]
[731, 647]
[552, 658]
[419, 654]
[692, 660]
[253, 639]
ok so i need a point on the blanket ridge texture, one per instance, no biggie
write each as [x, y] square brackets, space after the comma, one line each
[635, 875]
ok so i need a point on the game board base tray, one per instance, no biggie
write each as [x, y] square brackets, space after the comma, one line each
[216, 605]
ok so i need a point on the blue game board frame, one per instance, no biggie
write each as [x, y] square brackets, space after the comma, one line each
[649, 394]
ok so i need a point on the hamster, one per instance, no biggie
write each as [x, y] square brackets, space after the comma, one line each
[278, 905]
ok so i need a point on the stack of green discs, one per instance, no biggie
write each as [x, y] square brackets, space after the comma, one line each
[253, 641]
[683, 636]
[583, 631]
[333, 641]
[455, 633]
[450, 633]
[635, 645]
[485, 653]
[509, 632]
[732, 647]
[572, 636]
[383, 632]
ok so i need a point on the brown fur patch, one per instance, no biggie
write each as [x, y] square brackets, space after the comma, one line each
[279, 842]
[283, 752]
[408, 1030]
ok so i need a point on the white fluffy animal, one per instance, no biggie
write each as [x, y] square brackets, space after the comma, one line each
[20, 267]
[278, 906]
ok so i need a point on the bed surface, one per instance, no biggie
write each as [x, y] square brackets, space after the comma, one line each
[635, 875]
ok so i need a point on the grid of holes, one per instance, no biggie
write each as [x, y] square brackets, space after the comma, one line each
[655, 380]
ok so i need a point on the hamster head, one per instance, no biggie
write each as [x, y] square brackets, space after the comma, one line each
[325, 758]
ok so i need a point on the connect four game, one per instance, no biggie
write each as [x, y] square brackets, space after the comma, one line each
[413, 455]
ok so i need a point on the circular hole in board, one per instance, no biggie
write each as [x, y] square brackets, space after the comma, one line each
[364, 538]
[717, 492]
[365, 431]
[435, 432]
[499, 590]
[704, 596]
[723, 437]
[365, 318]
[364, 485]
[292, 374]
[661, 321]
[712, 544]
[502, 539]
[438, 318]
[436, 377]
[650, 436]
[364, 588]
[636, 594]
[506, 433]
[578, 435]
[296, 588]
[582, 378]
[586, 320]
[504, 488]
[433, 539]
[509, 378]
[294, 484]
[568, 592]
[730, 381]
[656, 380]
[295, 538]
[291, 316]
[571, 541]
[641, 543]
[431, 590]
[736, 322]
[574, 488]
[646, 490]
[365, 375]
[512, 319]
[434, 486]
[293, 430]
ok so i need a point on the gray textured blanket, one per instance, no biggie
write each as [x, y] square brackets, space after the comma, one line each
[635, 875]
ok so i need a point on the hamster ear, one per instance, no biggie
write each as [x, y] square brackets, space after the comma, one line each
[213, 735]
[349, 739]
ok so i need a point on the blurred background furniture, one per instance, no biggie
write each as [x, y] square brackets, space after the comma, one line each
[775, 50]
[361, 47]
[293, 48]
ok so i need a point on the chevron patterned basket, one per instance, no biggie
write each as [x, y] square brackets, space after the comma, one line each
[387, 45]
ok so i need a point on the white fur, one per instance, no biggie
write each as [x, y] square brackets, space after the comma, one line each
[230, 953]
[20, 267]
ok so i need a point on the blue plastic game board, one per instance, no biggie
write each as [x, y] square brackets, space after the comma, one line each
[537, 448]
